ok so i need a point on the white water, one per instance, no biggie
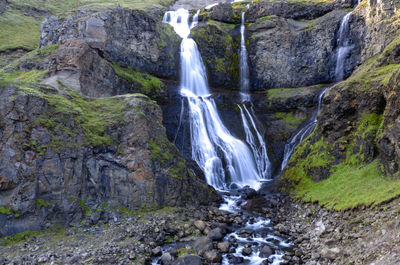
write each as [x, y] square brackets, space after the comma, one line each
[344, 47]
[222, 157]
[244, 67]
[257, 144]
[303, 133]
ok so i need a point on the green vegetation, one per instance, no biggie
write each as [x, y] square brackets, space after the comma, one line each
[226, 61]
[5, 211]
[27, 235]
[149, 84]
[285, 93]
[291, 120]
[375, 71]
[310, 25]
[348, 177]
[265, 18]
[85, 209]
[350, 186]
[20, 24]
[165, 153]
[42, 203]
[71, 113]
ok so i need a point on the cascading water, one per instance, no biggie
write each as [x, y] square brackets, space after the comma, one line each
[244, 67]
[303, 133]
[222, 157]
[345, 47]
[257, 144]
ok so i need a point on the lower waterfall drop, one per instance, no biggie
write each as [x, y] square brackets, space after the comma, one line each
[303, 133]
[222, 157]
[257, 144]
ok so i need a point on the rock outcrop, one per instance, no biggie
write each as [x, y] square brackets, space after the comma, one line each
[130, 37]
[288, 53]
[65, 156]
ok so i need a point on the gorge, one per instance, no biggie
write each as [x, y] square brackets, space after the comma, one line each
[199, 132]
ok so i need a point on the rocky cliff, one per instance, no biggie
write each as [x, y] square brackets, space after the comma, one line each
[67, 157]
[355, 143]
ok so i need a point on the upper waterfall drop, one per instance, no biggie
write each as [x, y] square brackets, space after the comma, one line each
[345, 47]
[222, 157]
[244, 67]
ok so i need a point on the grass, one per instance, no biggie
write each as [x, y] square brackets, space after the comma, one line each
[7, 241]
[350, 177]
[149, 85]
[349, 187]
[20, 28]
[285, 93]
[291, 120]
[70, 113]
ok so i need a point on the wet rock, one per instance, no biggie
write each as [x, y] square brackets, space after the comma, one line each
[247, 251]
[265, 252]
[166, 259]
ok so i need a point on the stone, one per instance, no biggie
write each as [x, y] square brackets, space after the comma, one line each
[330, 253]
[199, 224]
[216, 234]
[213, 256]
[202, 244]
[247, 251]
[188, 260]
[223, 247]
[265, 252]
[166, 259]
[156, 252]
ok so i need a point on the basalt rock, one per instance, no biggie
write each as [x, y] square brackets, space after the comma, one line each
[288, 53]
[219, 46]
[65, 156]
[130, 37]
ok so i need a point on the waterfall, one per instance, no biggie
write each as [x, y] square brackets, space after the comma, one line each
[257, 145]
[303, 133]
[344, 47]
[244, 67]
[222, 157]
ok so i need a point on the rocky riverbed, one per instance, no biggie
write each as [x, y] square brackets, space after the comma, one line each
[196, 236]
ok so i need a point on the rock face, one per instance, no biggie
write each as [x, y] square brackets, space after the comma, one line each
[130, 37]
[219, 46]
[288, 53]
[65, 156]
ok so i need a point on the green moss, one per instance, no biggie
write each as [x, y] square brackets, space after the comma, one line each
[265, 18]
[55, 232]
[85, 209]
[5, 211]
[291, 120]
[285, 93]
[42, 203]
[72, 113]
[148, 84]
[161, 152]
[310, 25]
[350, 186]
[35, 56]
[20, 29]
